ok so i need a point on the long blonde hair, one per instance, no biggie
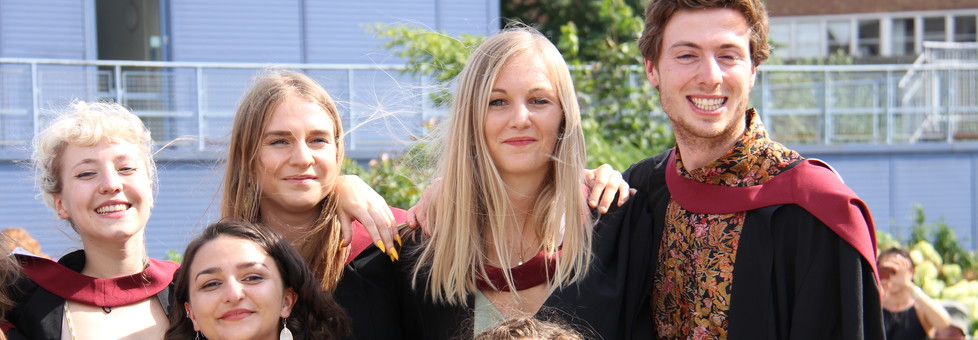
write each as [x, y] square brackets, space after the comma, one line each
[472, 201]
[320, 245]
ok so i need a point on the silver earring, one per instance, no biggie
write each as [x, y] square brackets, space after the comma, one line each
[286, 334]
[197, 337]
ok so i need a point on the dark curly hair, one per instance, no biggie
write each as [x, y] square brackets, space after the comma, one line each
[315, 314]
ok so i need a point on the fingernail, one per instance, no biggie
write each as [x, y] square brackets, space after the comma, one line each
[394, 254]
[398, 238]
[391, 257]
[592, 203]
[380, 244]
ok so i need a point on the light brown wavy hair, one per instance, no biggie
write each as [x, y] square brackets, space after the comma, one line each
[320, 245]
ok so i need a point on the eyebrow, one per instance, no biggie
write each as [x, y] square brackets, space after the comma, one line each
[691, 44]
[287, 133]
[84, 161]
[243, 265]
[93, 160]
[535, 89]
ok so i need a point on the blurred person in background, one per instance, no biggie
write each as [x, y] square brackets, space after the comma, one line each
[908, 313]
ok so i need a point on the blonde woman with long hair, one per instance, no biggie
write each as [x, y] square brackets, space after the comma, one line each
[509, 224]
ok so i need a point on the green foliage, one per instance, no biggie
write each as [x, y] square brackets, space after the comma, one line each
[400, 179]
[611, 84]
[936, 240]
[174, 256]
[946, 244]
[919, 227]
[886, 241]
[551, 17]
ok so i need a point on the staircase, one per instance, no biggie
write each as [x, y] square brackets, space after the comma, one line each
[939, 102]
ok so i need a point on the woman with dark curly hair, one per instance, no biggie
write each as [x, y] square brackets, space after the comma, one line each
[240, 280]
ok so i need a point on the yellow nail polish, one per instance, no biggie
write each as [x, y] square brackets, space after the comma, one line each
[399, 240]
[380, 244]
[394, 254]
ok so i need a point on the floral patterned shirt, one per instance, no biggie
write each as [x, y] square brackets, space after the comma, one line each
[691, 290]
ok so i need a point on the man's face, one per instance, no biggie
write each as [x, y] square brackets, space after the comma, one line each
[704, 74]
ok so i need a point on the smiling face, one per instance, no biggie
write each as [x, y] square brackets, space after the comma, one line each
[523, 118]
[236, 291]
[704, 74]
[107, 193]
[297, 164]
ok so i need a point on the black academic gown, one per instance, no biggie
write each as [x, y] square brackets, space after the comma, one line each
[611, 302]
[368, 293]
[368, 289]
[794, 278]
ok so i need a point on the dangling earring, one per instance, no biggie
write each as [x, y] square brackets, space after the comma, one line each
[197, 337]
[286, 334]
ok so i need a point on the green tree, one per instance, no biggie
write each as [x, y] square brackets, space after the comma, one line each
[611, 81]
[551, 16]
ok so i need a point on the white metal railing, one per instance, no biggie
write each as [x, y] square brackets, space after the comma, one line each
[865, 103]
[383, 109]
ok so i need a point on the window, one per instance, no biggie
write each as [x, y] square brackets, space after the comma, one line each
[903, 36]
[838, 36]
[964, 28]
[869, 38]
[934, 29]
[781, 39]
[807, 40]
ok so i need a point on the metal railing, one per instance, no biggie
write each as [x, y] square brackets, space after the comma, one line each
[866, 103]
[383, 109]
[194, 103]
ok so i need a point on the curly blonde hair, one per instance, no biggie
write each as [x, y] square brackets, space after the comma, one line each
[86, 124]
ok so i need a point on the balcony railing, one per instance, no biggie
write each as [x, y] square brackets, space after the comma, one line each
[194, 103]
[868, 104]
[383, 109]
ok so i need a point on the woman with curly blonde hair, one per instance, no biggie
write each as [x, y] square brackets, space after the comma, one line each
[95, 169]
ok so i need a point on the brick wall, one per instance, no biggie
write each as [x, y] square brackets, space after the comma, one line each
[813, 7]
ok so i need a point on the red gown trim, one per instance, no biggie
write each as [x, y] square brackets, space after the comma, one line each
[112, 292]
[811, 184]
[535, 271]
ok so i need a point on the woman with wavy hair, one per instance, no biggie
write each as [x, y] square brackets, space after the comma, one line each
[240, 280]
[509, 224]
[283, 171]
[95, 169]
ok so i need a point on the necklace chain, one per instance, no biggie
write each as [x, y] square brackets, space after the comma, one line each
[522, 248]
[71, 325]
